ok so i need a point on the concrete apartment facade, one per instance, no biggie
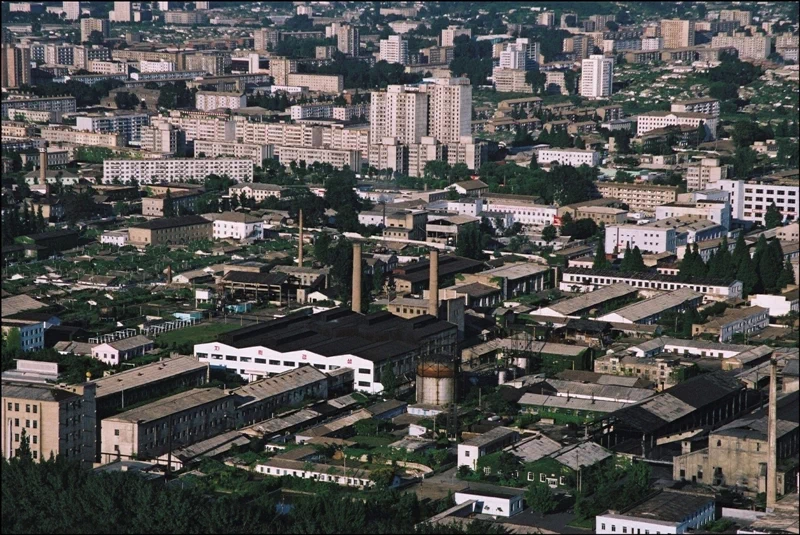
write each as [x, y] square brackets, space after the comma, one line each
[167, 231]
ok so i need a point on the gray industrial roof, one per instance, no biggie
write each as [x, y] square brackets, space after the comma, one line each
[170, 405]
[274, 386]
[667, 506]
[576, 456]
[517, 270]
[19, 303]
[573, 403]
[592, 299]
[533, 448]
[490, 436]
[149, 373]
[129, 343]
[35, 391]
[654, 305]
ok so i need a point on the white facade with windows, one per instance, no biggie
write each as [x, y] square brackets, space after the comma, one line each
[750, 200]
[237, 227]
[210, 100]
[394, 50]
[147, 171]
[257, 362]
[597, 76]
[660, 521]
[646, 238]
[588, 280]
[129, 126]
[525, 213]
[31, 334]
[573, 157]
[491, 503]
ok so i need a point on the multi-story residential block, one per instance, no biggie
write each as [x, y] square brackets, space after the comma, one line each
[707, 106]
[108, 67]
[652, 43]
[128, 126]
[296, 135]
[677, 33]
[348, 39]
[146, 171]
[183, 202]
[451, 32]
[398, 113]
[162, 137]
[122, 12]
[117, 351]
[156, 66]
[65, 134]
[214, 149]
[750, 199]
[211, 129]
[57, 104]
[653, 120]
[15, 66]
[213, 63]
[72, 10]
[337, 158]
[450, 109]
[212, 100]
[716, 211]
[170, 231]
[744, 18]
[58, 421]
[646, 238]
[405, 26]
[185, 17]
[749, 47]
[324, 83]
[573, 157]
[639, 197]
[176, 421]
[511, 80]
[89, 25]
[523, 210]
[709, 170]
[548, 18]
[236, 225]
[597, 76]
[394, 49]
[166, 76]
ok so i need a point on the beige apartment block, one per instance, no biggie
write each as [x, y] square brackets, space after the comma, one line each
[677, 33]
[250, 151]
[639, 197]
[337, 158]
[182, 202]
[65, 134]
[57, 420]
[324, 83]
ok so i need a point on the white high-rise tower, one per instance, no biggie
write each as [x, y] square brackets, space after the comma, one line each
[597, 75]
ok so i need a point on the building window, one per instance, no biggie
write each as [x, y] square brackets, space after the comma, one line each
[288, 363]
[35, 439]
[541, 478]
[363, 383]
[274, 363]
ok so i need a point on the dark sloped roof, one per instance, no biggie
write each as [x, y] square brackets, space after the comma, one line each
[256, 278]
[704, 389]
[172, 222]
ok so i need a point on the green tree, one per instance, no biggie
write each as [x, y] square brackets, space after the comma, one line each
[770, 265]
[540, 499]
[322, 245]
[13, 341]
[96, 38]
[389, 381]
[690, 317]
[744, 160]
[382, 477]
[471, 242]
[24, 451]
[632, 260]
[773, 218]
[534, 163]
[549, 233]
[786, 277]
[748, 274]
[579, 143]
[740, 251]
[169, 205]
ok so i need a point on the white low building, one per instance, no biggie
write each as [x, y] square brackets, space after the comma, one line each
[588, 280]
[112, 353]
[646, 237]
[649, 311]
[471, 450]
[236, 225]
[492, 502]
[669, 511]
[573, 157]
[115, 237]
[778, 305]
[525, 212]
[326, 473]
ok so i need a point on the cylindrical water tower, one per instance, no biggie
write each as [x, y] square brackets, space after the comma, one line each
[436, 380]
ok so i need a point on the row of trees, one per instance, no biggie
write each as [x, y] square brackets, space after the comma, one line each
[58, 496]
[20, 223]
[563, 184]
[766, 271]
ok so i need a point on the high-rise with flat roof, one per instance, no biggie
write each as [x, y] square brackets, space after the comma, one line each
[394, 50]
[90, 25]
[16, 66]
[72, 10]
[398, 113]
[122, 12]
[597, 76]
[348, 39]
[449, 109]
[677, 33]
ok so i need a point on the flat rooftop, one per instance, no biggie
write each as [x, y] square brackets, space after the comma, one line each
[667, 506]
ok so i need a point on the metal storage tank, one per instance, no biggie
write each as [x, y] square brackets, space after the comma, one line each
[436, 380]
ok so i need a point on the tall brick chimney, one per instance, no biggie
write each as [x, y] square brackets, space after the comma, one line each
[300, 244]
[356, 305]
[433, 292]
[42, 166]
[772, 436]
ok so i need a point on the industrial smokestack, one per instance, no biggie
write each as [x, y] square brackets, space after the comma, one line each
[356, 305]
[433, 292]
[42, 166]
[300, 245]
[169, 274]
[772, 436]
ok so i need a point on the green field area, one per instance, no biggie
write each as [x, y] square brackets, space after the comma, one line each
[197, 334]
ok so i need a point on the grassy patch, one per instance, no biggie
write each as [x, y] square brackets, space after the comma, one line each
[584, 523]
[197, 334]
[373, 441]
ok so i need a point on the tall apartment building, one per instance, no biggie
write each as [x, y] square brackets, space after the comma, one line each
[398, 113]
[65, 134]
[127, 125]
[213, 64]
[156, 66]
[338, 137]
[122, 12]
[451, 32]
[548, 18]
[348, 40]
[753, 47]
[335, 157]
[185, 17]
[677, 33]
[745, 18]
[512, 80]
[707, 105]
[148, 171]
[163, 138]
[512, 58]
[15, 66]
[702, 175]
[57, 420]
[449, 109]
[90, 25]
[582, 45]
[214, 149]
[750, 199]
[394, 50]
[597, 76]
[72, 10]
[213, 100]
[280, 68]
